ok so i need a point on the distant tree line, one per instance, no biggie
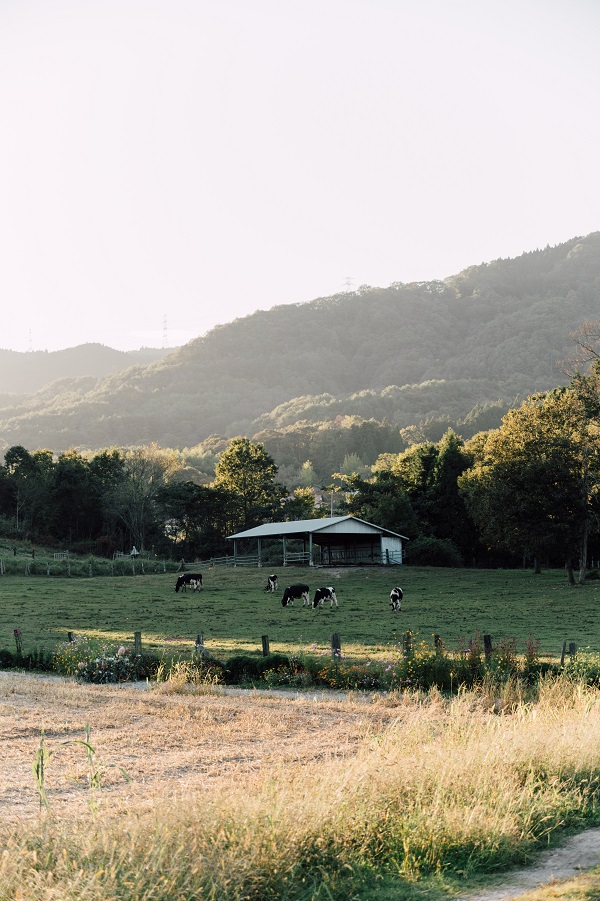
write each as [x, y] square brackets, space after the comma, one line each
[119, 498]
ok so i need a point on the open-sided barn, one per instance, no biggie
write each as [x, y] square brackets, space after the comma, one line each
[334, 541]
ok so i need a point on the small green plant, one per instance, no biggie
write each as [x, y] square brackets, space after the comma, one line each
[41, 759]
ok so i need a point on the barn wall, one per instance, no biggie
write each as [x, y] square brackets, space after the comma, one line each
[391, 549]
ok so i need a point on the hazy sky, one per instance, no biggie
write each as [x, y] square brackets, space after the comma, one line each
[186, 162]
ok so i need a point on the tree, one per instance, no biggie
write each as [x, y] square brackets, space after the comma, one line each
[384, 501]
[133, 500]
[301, 505]
[75, 499]
[532, 487]
[248, 473]
[30, 476]
[307, 477]
[195, 517]
[447, 514]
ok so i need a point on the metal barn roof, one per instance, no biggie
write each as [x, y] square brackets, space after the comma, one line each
[331, 525]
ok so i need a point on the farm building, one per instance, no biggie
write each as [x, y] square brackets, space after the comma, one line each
[335, 541]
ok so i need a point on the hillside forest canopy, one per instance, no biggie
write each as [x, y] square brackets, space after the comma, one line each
[351, 373]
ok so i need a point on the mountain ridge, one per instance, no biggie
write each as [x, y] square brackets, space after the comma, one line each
[403, 354]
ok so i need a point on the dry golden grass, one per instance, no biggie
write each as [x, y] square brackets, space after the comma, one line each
[171, 744]
[242, 796]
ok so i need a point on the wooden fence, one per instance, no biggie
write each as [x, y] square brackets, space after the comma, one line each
[569, 648]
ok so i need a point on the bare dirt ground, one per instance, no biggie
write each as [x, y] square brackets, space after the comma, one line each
[168, 744]
[578, 854]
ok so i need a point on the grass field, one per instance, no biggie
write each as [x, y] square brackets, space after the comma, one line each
[233, 611]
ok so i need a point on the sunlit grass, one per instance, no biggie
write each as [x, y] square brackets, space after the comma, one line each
[424, 794]
[233, 612]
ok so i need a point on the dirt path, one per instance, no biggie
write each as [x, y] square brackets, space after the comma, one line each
[582, 852]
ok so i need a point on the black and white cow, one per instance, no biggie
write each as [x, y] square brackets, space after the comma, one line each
[396, 596]
[194, 580]
[296, 591]
[324, 594]
[272, 583]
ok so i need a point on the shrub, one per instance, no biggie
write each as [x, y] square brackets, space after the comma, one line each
[429, 551]
[92, 662]
[242, 668]
[585, 667]
[39, 659]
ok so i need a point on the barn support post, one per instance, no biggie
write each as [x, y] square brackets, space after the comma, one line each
[284, 552]
[310, 549]
[259, 553]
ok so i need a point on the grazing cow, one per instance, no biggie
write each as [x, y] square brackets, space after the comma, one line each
[194, 580]
[296, 591]
[272, 583]
[396, 596]
[324, 594]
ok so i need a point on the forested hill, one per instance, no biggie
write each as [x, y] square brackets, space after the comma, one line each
[25, 373]
[409, 354]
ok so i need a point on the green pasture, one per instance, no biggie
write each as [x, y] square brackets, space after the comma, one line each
[233, 611]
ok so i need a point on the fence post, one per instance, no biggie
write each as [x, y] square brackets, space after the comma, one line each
[70, 636]
[137, 644]
[407, 644]
[90, 569]
[336, 645]
[18, 642]
[1, 567]
[564, 651]
[439, 647]
[572, 648]
[265, 645]
[487, 646]
[199, 646]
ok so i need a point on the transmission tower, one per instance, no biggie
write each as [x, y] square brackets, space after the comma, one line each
[165, 334]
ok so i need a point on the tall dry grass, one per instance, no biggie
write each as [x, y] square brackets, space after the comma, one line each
[455, 787]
